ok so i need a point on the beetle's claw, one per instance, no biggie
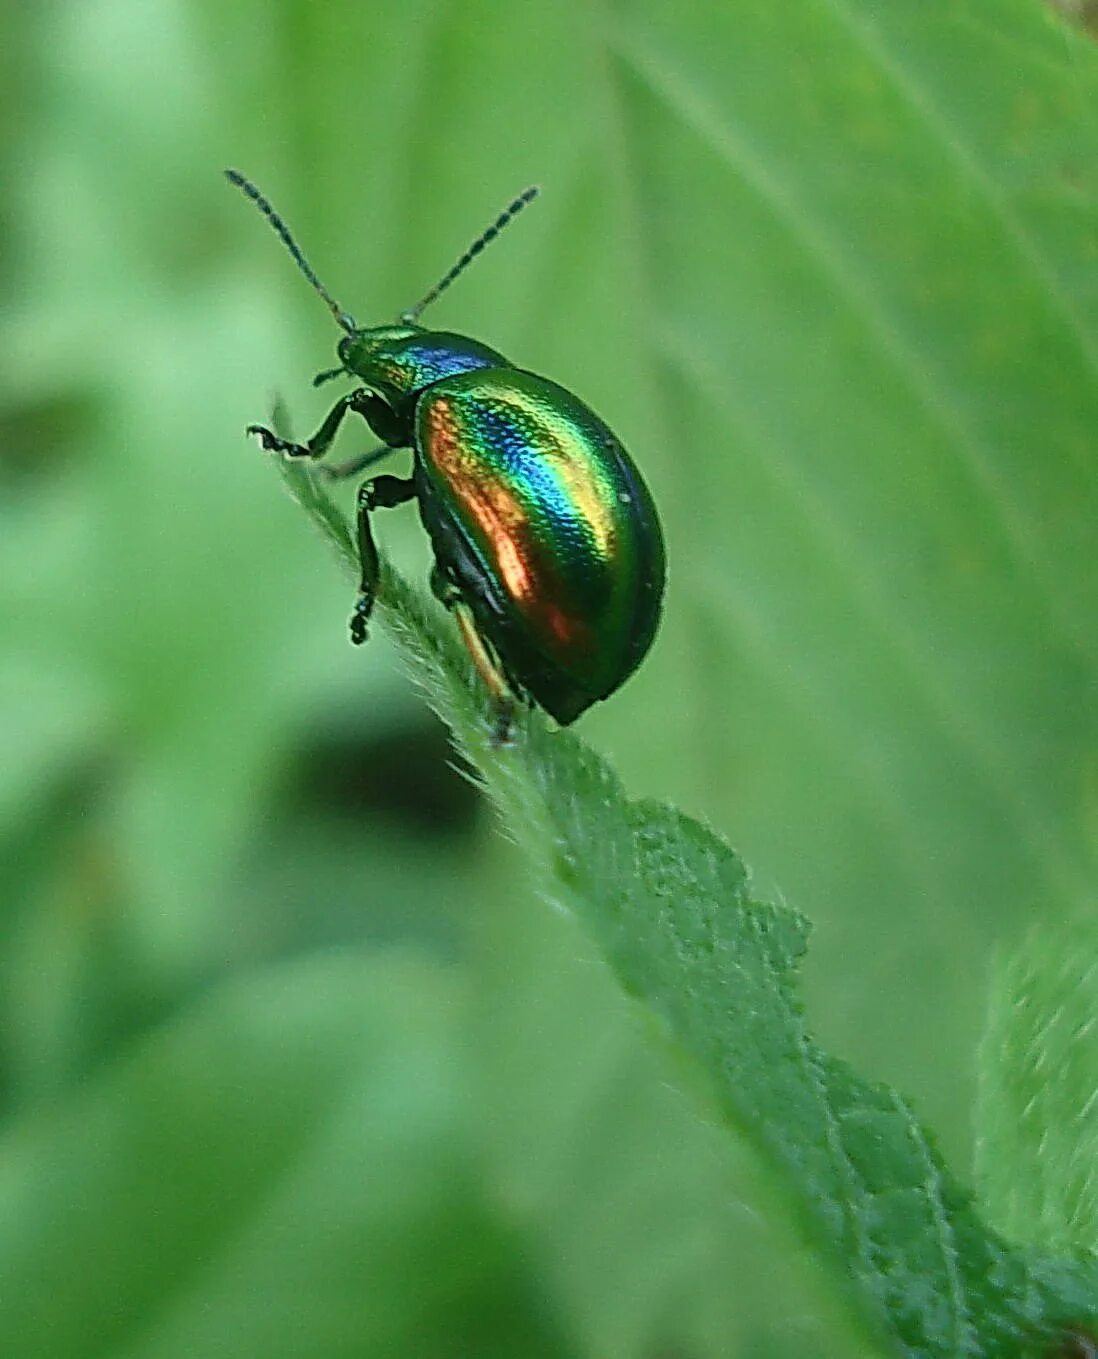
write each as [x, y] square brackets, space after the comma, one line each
[266, 438]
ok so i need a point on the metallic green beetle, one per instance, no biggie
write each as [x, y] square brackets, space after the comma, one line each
[547, 546]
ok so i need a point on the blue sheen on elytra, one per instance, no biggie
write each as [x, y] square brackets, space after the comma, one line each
[523, 461]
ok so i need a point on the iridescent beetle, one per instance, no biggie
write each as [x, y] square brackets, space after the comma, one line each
[547, 547]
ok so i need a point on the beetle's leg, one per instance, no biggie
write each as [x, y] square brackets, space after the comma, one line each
[503, 701]
[377, 494]
[336, 471]
[382, 419]
[321, 441]
[373, 410]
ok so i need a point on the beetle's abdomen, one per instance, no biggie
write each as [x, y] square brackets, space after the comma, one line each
[561, 526]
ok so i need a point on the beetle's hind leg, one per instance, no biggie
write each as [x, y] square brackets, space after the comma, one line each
[503, 700]
[379, 493]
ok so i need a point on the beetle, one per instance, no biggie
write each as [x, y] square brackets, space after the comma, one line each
[547, 547]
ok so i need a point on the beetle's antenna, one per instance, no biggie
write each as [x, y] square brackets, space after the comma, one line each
[248, 188]
[508, 214]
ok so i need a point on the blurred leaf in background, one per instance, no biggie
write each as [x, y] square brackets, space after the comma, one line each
[830, 269]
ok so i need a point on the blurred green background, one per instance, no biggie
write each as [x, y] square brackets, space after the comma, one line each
[294, 1058]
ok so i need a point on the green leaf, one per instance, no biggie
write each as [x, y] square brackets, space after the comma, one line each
[656, 1235]
[285, 1171]
[668, 903]
[1037, 1114]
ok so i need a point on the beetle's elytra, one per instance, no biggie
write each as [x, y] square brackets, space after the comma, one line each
[547, 547]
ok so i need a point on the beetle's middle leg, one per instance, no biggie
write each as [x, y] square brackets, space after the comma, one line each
[503, 700]
[379, 493]
[338, 471]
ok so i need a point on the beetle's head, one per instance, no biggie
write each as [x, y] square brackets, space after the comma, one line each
[359, 350]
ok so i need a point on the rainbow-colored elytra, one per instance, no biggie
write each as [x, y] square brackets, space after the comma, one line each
[556, 523]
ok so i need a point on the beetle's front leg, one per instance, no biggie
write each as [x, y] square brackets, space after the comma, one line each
[321, 441]
[373, 410]
[380, 493]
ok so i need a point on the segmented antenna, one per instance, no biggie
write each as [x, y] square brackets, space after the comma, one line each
[248, 188]
[410, 316]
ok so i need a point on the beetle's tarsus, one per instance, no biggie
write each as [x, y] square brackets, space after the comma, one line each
[359, 619]
[273, 444]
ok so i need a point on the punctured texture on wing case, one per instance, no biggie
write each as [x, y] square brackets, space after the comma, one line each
[560, 528]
